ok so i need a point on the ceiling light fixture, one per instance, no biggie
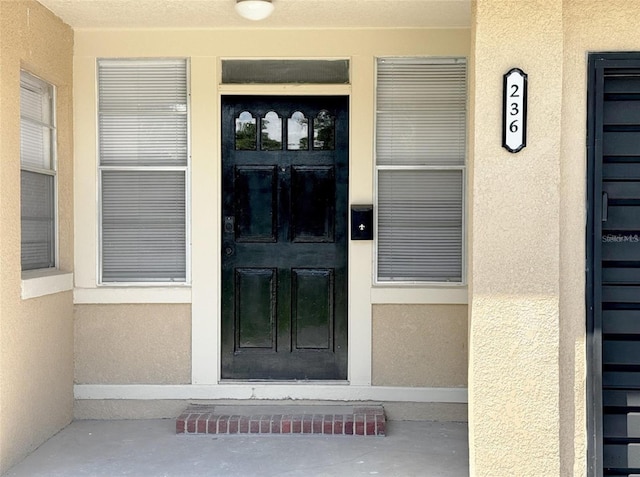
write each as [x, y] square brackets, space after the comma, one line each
[254, 9]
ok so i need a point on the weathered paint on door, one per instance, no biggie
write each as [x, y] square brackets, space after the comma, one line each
[284, 252]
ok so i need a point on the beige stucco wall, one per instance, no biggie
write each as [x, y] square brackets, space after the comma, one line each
[205, 49]
[420, 345]
[526, 332]
[133, 344]
[36, 335]
[588, 27]
[514, 370]
[527, 312]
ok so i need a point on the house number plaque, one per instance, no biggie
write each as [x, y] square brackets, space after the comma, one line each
[514, 110]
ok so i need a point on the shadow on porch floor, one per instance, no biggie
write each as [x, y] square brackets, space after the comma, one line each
[150, 448]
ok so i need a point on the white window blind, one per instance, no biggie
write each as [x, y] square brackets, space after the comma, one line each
[38, 173]
[144, 158]
[420, 169]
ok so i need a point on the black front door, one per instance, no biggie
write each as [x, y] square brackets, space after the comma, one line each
[284, 237]
[613, 277]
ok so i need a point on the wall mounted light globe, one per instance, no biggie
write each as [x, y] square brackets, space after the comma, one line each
[254, 9]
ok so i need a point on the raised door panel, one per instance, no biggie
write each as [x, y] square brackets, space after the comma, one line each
[256, 209]
[313, 204]
[256, 305]
[312, 309]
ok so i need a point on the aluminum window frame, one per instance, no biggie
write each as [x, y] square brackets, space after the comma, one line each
[400, 283]
[185, 168]
[37, 82]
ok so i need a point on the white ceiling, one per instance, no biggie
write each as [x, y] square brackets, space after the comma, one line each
[287, 14]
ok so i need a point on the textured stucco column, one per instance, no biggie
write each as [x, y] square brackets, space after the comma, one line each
[514, 246]
[36, 334]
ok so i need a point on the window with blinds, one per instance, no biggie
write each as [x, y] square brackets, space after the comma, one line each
[420, 169]
[37, 173]
[143, 168]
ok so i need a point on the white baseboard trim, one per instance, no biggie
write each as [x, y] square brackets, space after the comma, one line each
[328, 392]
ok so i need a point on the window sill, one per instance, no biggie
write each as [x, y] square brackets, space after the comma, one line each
[418, 295]
[37, 283]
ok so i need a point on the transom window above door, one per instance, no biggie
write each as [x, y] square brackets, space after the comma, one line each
[285, 71]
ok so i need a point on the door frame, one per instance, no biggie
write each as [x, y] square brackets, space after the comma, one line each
[206, 359]
[597, 63]
[593, 322]
[206, 271]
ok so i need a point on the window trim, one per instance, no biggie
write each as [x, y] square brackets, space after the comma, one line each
[159, 285]
[44, 281]
[28, 77]
[378, 293]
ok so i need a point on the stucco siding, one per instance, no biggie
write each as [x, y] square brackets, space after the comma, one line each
[588, 27]
[205, 49]
[527, 304]
[133, 344]
[36, 335]
[420, 345]
[514, 366]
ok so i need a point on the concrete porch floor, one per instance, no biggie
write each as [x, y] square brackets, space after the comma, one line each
[150, 448]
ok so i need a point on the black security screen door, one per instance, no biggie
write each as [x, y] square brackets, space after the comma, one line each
[613, 278]
[284, 237]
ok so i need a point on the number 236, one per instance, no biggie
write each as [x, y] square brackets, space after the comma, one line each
[515, 109]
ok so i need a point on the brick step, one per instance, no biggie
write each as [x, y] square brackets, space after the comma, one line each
[283, 419]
